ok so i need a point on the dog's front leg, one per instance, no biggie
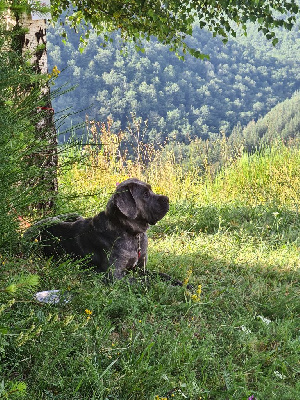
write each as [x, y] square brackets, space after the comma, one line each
[121, 262]
[118, 272]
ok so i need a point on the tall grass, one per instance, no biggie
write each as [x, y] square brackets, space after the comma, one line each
[234, 236]
[106, 160]
[269, 176]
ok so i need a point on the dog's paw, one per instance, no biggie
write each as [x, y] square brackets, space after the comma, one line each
[190, 287]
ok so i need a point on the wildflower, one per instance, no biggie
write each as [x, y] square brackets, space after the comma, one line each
[88, 313]
[194, 297]
[265, 320]
[246, 330]
[251, 397]
[55, 72]
[279, 375]
[187, 278]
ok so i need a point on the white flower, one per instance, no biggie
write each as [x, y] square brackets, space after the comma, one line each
[279, 375]
[264, 320]
[246, 330]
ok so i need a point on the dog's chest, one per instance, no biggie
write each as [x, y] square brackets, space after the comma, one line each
[132, 244]
[131, 248]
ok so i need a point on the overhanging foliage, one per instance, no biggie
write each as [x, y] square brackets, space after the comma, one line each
[171, 21]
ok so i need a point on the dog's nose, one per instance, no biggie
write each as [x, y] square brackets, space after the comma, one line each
[165, 199]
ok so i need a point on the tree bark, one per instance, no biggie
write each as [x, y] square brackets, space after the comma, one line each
[34, 41]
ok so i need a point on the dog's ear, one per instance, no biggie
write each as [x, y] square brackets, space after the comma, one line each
[126, 203]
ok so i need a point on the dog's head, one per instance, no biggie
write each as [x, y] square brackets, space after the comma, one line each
[136, 206]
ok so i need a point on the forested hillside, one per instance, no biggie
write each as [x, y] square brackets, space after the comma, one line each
[280, 125]
[282, 122]
[241, 82]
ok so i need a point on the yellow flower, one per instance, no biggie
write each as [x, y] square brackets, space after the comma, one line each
[55, 72]
[196, 296]
[88, 312]
[187, 278]
[199, 290]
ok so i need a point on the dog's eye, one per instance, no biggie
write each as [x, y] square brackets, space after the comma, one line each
[146, 194]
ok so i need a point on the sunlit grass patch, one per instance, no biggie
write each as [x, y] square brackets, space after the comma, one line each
[269, 175]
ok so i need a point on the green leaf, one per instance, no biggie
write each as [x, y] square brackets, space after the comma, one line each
[20, 387]
[198, 54]
[11, 288]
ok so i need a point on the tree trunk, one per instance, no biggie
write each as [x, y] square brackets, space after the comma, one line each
[33, 40]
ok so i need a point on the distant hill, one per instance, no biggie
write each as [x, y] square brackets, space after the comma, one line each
[281, 125]
[241, 82]
[282, 122]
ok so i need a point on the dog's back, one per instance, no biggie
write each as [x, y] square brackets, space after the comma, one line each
[64, 237]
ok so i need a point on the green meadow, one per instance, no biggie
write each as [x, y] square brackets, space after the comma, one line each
[233, 234]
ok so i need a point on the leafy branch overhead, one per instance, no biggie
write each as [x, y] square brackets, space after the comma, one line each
[171, 21]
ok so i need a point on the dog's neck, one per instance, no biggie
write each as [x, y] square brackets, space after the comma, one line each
[131, 226]
[134, 227]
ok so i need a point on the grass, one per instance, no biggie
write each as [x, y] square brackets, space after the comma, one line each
[235, 237]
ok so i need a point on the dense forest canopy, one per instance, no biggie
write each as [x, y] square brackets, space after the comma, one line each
[242, 81]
